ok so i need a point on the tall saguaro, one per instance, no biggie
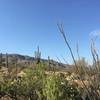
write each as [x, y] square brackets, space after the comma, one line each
[6, 59]
[49, 63]
[0, 59]
[37, 55]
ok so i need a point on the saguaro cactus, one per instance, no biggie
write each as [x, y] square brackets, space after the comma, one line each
[6, 59]
[37, 55]
[0, 59]
[49, 63]
[16, 65]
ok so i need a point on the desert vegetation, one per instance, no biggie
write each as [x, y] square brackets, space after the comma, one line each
[42, 81]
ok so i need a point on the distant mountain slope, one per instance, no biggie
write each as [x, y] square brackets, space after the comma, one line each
[18, 56]
[24, 59]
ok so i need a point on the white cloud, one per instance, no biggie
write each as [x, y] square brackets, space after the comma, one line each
[95, 33]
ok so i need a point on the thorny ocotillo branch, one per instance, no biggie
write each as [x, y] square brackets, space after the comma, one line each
[60, 27]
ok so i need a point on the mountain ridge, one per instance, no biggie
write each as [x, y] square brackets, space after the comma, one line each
[25, 59]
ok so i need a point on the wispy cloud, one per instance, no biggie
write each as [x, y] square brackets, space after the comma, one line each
[95, 33]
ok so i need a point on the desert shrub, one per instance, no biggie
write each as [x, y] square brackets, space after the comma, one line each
[57, 88]
[35, 84]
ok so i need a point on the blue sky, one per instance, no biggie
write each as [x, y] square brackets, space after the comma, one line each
[24, 24]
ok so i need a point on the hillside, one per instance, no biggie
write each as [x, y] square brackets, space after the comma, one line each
[27, 60]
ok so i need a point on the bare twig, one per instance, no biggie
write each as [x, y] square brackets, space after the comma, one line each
[67, 44]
